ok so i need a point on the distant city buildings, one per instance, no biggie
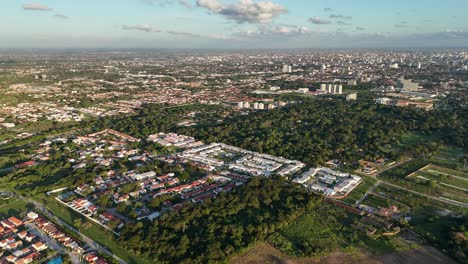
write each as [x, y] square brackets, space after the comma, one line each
[287, 68]
[408, 85]
[260, 105]
[332, 88]
[405, 103]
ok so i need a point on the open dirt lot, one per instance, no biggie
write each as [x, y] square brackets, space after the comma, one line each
[264, 253]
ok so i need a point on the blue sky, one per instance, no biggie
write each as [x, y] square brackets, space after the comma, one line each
[233, 23]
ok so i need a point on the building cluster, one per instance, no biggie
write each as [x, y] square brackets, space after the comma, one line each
[379, 221]
[329, 182]
[17, 244]
[217, 156]
[261, 105]
[174, 140]
[100, 86]
[34, 112]
[425, 105]
[226, 167]
[22, 241]
[331, 88]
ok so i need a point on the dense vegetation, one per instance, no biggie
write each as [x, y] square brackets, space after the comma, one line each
[213, 231]
[315, 131]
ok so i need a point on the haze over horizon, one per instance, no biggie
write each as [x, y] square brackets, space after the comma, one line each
[235, 24]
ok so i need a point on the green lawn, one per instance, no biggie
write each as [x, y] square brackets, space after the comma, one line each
[93, 231]
[448, 183]
[313, 234]
[360, 190]
[317, 234]
[414, 200]
[12, 207]
[450, 157]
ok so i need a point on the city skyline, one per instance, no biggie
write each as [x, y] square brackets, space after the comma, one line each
[233, 24]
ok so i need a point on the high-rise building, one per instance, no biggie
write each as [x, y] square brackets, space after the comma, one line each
[246, 105]
[240, 104]
[255, 105]
[323, 87]
[261, 106]
[287, 68]
[352, 82]
[408, 85]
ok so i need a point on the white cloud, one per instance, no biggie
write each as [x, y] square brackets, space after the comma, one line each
[185, 3]
[337, 16]
[145, 28]
[195, 35]
[58, 15]
[36, 6]
[244, 11]
[319, 21]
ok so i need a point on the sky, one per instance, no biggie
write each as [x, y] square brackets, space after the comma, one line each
[234, 24]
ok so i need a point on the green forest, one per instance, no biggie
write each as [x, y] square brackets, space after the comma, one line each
[215, 230]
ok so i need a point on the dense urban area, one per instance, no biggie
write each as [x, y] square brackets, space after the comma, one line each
[163, 156]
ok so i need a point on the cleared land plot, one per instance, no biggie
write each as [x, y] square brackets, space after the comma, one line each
[450, 156]
[377, 201]
[412, 199]
[263, 253]
[360, 190]
[450, 183]
[410, 175]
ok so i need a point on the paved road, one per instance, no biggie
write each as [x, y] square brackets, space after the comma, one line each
[53, 244]
[371, 190]
[84, 238]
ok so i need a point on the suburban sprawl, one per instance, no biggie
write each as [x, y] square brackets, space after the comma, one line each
[146, 156]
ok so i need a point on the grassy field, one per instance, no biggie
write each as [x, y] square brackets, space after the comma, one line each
[444, 176]
[442, 182]
[413, 200]
[91, 230]
[431, 180]
[360, 190]
[450, 157]
[12, 207]
[377, 201]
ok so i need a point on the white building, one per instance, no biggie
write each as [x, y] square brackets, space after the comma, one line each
[351, 97]
[287, 68]
[383, 101]
[323, 87]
